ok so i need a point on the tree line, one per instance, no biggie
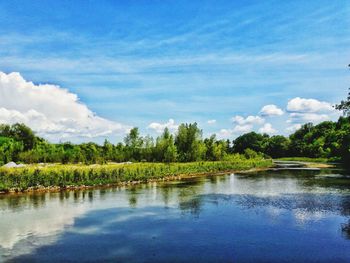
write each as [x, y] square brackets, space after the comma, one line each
[327, 140]
[18, 143]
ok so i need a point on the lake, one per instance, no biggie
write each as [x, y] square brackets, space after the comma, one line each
[288, 214]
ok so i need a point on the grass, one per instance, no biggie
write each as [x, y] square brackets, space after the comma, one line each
[63, 176]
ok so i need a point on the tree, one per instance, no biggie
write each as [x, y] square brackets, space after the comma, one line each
[147, 151]
[219, 150]
[9, 149]
[165, 149]
[215, 150]
[107, 151]
[277, 146]
[90, 152]
[133, 143]
[299, 141]
[189, 143]
[251, 140]
[19, 132]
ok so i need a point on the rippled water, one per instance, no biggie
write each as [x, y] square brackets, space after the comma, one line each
[281, 215]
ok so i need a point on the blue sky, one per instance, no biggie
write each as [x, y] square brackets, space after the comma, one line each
[143, 62]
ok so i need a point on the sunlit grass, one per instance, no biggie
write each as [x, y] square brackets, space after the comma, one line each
[32, 176]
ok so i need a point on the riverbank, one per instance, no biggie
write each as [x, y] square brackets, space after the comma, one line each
[305, 159]
[60, 177]
[309, 162]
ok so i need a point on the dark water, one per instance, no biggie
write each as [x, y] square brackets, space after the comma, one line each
[284, 215]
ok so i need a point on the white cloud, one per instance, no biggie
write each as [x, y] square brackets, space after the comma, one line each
[159, 127]
[211, 122]
[308, 105]
[250, 120]
[271, 110]
[309, 110]
[242, 128]
[307, 117]
[51, 111]
[293, 128]
[237, 130]
[224, 133]
[267, 128]
[243, 125]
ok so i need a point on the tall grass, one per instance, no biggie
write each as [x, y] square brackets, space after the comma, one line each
[20, 179]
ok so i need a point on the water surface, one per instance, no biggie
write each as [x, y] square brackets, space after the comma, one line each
[281, 215]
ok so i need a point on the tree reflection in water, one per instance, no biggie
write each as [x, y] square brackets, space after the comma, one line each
[345, 229]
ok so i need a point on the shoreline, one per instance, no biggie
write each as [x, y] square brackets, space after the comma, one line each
[56, 189]
[307, 164]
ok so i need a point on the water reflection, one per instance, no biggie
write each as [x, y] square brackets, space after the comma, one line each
[345, 228]
[284, 201]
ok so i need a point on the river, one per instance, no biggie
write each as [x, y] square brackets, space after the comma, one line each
[286, 214]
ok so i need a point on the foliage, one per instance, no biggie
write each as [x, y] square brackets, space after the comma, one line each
[189, 143]
[19, 179]
[165, 149]
[328, 139]
[18, 143]
[252, 140]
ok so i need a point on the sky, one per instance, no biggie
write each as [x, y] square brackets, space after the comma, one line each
[89, 70]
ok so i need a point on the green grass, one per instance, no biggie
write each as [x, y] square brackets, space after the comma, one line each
[33, 176]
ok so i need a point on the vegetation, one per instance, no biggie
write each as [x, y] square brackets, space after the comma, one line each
[328, 139]
[77, 175]
[19, 144]
[93, 164]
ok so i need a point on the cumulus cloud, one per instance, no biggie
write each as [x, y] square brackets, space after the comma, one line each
[225, 133]
[308, 105]
[211, 122]
[237, 130]
[293, 128]
[244, 125]
[271, 110]
[267, 128]
[51, 111]
[296, 117]
[309, 110]
[159, 127]
[242, 128]
[250, 120]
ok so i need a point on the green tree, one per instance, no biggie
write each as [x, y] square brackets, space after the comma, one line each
[147, 151]
[189, 143]
[107, 151]
[19, 132]
[165, 149]
[133, 144]
[9, 149]
[277, 146]
[251, 140]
